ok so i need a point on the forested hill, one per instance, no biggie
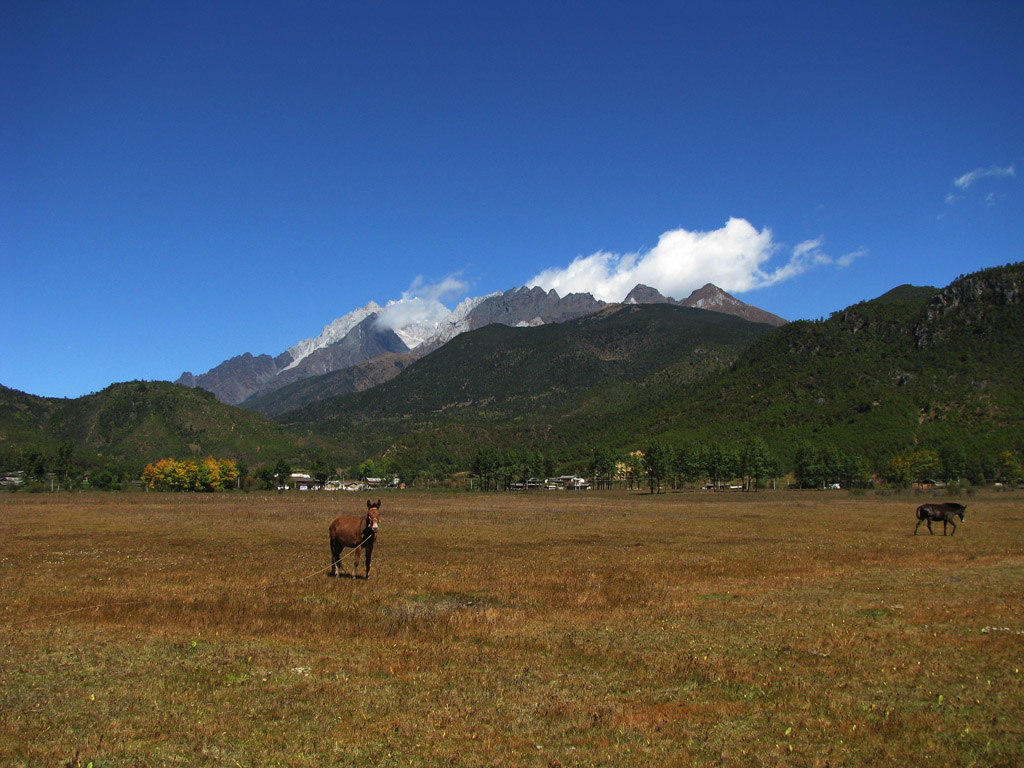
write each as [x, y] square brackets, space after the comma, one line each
[915, 368]
[128, 425]
[559, 386]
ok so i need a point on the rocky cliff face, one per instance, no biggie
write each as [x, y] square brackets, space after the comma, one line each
[968, 300]
[525, 306]
[515, 307]
[366, 341]
[237, 379]
[1000, 288]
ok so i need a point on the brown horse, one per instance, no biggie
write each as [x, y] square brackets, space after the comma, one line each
[928, 513]
[358, 532]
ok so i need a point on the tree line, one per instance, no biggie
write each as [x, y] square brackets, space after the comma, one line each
[656, 465]
[751, 464]
[659, 464]
[713, 464]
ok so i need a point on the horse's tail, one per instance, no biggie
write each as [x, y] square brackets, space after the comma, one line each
[921, 512]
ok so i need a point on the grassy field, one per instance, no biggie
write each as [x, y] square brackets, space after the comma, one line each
[541, 629]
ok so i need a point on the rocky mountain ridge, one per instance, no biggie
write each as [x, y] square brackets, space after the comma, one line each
[710, 297]
[372, 331]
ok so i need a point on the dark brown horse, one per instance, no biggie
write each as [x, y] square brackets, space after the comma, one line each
[358, 532]
[927, 513]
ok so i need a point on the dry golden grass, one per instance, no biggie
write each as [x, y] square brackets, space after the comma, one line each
[541, 629]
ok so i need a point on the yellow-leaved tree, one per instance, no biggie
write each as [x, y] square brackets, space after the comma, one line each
[186, 475]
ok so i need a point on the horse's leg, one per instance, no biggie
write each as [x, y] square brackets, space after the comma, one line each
[369, 554]
[355, 563]
[335, 556]
[953, 523]
[945, 522]
[929, 521]
[917, 526]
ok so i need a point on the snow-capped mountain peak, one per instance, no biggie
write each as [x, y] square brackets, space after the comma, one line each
[457, 321]
[414, 320]
[332, 333]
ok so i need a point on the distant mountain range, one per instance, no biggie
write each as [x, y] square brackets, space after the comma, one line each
[364, 335]
[916, 369]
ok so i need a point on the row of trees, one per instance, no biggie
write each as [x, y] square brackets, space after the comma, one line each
[61, 469]
[663, 463]
[37, 466]
[952, 464]
[656, 465]
[822, 465]
[497, 470]
[752, 462]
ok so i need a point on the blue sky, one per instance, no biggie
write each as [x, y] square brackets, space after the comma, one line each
[184, 182]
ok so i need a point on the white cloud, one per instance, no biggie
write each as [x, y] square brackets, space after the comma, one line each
[451, 286]
[735, 258]
[422, 304]
[967, 180]
[848, 258]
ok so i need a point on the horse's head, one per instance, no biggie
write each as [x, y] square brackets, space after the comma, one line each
[962, 512]
[372, 515]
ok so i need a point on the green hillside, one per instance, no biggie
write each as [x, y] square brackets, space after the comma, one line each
[556, 387]
[912, 294]
[126, 426]
[916, 369]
